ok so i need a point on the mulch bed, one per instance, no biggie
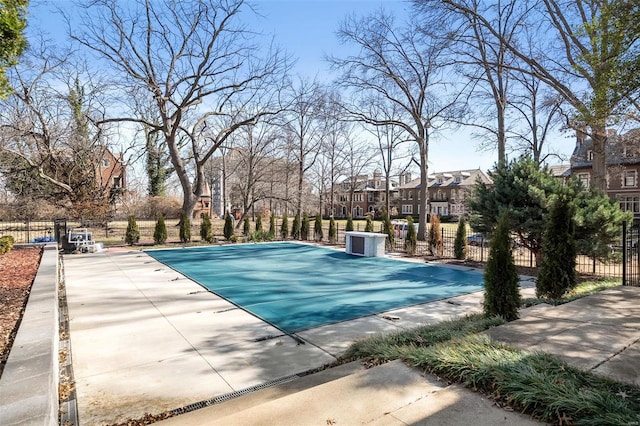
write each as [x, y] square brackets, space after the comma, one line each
[18, 269]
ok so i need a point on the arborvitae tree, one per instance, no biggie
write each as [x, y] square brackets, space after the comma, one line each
[246, 228]
[259, 224]
[349, 225]
[160, 231]
[460, 243]
[436, 246]
[185, 228]
[272, 227]
[205, 228]
[411, 239]
[501, 291]
[391, 235]
[133, 233]
[557, 274]
[318, 234]
[333, 231]
[296, 227]
[228, 227]
[368, 227]
[284, 228]
[304, 228]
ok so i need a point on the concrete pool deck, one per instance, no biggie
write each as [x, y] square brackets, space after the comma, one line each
[145, 339]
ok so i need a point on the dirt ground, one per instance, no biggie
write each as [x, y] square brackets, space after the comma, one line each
[17, 271]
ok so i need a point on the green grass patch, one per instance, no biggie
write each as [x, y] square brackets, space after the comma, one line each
[534, 383]
[583, 289]
[386, 347]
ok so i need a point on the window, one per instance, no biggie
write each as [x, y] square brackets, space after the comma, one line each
[629, 203]
[117, 182]
[383, 197]
[407, 209]
[458, 179]
[370, 197]
[439, 195]
[584, 180]
[411, 195]
[589, 155]
[630, 178]
[344, 198]
[440, 180]
[106, 162]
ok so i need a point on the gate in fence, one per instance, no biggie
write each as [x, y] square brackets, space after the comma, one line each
[631, 254]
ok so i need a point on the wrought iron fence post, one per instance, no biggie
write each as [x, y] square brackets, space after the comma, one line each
[624, 253]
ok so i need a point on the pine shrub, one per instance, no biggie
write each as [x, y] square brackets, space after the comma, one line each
[296, 227]
[228, 227]
[557, 274]
[411, 239]
[246, 228]
[436, 246]
[185, 228]
[6, 243]
[259, 224]
[304, 228]
[206, 233]
[284, 228]
[349, 225]
[368, 227]
[272, 227]
[132, 235]
[333, 231]
[502, 293]
[460, 243]
[318, 234]
[160, 231]
[391, 235]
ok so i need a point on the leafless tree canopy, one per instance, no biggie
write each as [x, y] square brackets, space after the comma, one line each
[201, 67]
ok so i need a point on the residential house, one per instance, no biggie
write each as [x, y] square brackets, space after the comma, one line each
[447, 192]
[362, 195]
[623, 165]
[112, 175]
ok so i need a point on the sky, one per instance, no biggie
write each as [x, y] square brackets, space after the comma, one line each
[306, 29]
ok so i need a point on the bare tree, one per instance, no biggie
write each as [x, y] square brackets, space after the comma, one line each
[582, 51]
[51, 148]
[304, 129]
[199, 65]
[405, 68]
[358, 157]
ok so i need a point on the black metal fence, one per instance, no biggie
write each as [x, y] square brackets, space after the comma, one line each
[624, 263]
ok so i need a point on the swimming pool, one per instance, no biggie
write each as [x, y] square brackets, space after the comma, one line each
[299, 286]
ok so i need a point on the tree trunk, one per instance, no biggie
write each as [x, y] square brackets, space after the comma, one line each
[599, 168]
[424, 192]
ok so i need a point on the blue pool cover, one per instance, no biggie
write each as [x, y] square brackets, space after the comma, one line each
[299, 286]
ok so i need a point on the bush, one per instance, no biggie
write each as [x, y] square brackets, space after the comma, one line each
[284, 228]
[228, 227]
[259, 224]
[436, 247]
[318, 234]
[304, 228]
[185, 228]
[296, 227]
[246, 226]
[349, 225]
[272, 227]
[333, 231]
[501, 292]
[411, 239]
[205, 228]
[6, 244]
[368, 227]
[259, 236]
[460, 243]
[160, 231]
[132, 236]
[557, 274]
[391, 235]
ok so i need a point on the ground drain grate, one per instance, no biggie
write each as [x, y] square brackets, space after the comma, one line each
[232, 395]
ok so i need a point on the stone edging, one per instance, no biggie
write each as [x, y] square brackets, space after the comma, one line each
[29, 385]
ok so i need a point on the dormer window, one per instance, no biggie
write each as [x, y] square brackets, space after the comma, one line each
[630, 178]
[458, 179]
[440, 180]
